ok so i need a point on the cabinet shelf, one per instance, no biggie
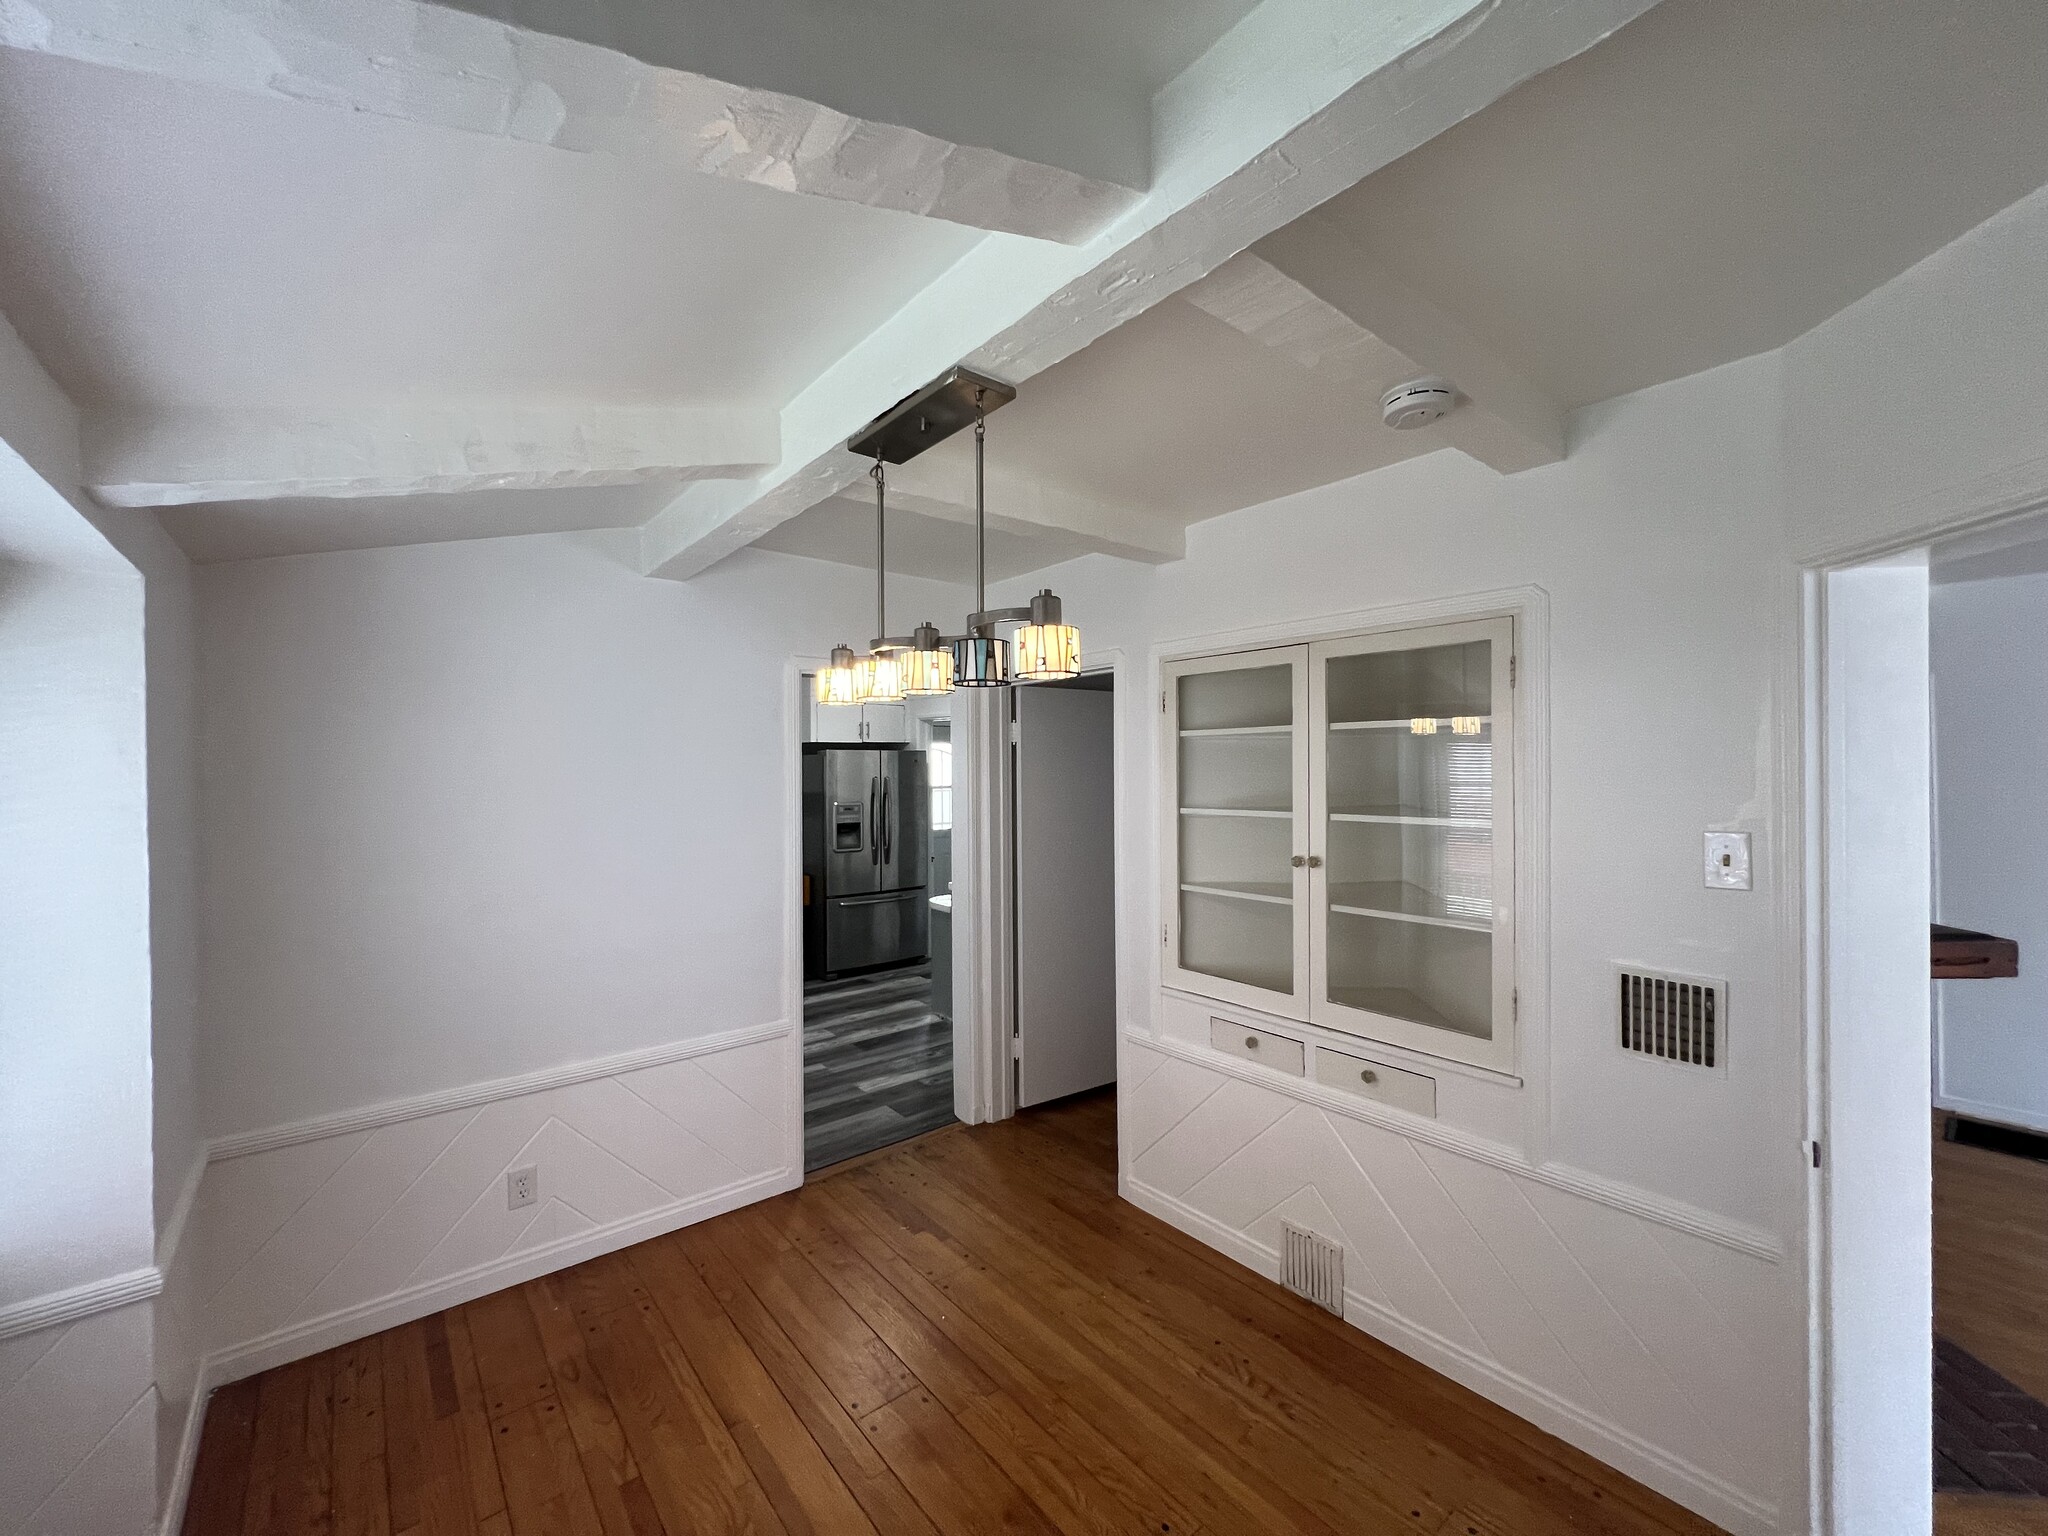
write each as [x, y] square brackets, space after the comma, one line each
[1403, 725]
[1400, 1003]
[1278, 892]
[1404, 817]
[1240, 730]
[1403, 902]
[1211, 810]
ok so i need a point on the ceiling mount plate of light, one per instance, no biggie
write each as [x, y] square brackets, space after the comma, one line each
[927, 418]
[925, 662]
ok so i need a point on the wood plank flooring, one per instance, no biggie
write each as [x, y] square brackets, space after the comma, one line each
[1991, 1297]
[878, 1064]
[967, 1333]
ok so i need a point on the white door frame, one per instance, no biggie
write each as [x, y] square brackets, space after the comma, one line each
[984, 891]
[1868, 1088]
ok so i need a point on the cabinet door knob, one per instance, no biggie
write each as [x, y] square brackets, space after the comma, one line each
[1368, 1076]
[1299, 860]
[1315, 861]
[1251, 1042]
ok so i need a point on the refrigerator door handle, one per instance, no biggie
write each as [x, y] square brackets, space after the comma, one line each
[876, 901]
[888, 836]
[874, 827]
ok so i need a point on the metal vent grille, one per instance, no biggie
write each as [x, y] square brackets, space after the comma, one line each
[1673, 1018]
[1312, 1267]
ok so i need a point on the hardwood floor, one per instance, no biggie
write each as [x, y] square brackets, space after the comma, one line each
[1991, 1297]
[966, 1333]
[878, 1064]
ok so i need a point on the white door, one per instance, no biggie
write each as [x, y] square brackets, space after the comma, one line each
[1066, 892]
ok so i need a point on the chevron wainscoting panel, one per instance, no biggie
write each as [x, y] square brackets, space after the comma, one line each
[308, 1244]
[78, 1425]
[1642, 1343]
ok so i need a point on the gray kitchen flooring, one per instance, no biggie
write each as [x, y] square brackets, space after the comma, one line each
[878, 1064]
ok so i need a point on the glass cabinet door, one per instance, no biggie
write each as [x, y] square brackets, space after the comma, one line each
[1412, 845]
[1236, 843]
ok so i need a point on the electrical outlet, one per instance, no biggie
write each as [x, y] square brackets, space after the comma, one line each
[522, 1187]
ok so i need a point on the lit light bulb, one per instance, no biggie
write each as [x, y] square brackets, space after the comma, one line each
[1422, 725]
[877, 680]
[1467, 725]
[834, 684]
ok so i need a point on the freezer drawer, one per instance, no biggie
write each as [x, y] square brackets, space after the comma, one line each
[882, 929]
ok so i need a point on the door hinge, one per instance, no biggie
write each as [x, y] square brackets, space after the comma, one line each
[1515, 1004]
[1814, 1148]
[1165, 935]
[1162, 701]
[1512, 660]
[1016, 732]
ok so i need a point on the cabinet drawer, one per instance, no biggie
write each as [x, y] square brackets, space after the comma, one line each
[1376, 1080]
[1268, 1050]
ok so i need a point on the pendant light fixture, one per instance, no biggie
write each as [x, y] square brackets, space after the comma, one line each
[927, 663]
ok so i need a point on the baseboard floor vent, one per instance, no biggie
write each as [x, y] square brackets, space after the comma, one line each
[1312, 1267]
[1673, 1018]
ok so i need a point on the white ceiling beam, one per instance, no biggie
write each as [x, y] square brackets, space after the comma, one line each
[430, 64]
[942, 486]
[176, 460]
[1314, 294]
[1300, 100]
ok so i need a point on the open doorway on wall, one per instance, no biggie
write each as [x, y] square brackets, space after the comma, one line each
[1988, 658]
[1063, 757]
[1933, 1117]
[877, 924]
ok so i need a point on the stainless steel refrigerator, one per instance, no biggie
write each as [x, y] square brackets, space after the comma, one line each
[867, 831]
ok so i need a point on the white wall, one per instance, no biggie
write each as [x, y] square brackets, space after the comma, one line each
[74, 983]
[1671, 606]
[96, 1015]
[481, 808]
[1990, 739]
[500, 870]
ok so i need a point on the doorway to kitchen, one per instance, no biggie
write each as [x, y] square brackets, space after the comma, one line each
[877, 790]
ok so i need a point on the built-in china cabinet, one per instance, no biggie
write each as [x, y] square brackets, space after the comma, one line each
[1340, 847]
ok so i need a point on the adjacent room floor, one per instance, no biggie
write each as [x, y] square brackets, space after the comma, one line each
[878, 1064]
[1991, 1298]
[970, 1332]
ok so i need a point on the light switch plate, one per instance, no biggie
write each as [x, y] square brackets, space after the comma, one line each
[1727, 861]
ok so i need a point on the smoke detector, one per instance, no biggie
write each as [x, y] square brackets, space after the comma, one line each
[1418, 403]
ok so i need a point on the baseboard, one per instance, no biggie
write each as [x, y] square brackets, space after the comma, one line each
[299, 1340]
[172, 1517]
[1734, 1509]
[1994, 1114]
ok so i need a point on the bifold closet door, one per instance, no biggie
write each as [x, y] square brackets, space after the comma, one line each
[1066, 892]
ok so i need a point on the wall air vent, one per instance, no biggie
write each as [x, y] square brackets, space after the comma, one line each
[1673, 1018]
[1312, 1267]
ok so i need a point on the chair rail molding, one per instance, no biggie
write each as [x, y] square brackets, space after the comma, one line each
[470, 1095]
[53, 1308]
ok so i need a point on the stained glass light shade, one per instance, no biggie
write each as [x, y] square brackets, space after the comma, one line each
[834, 684]
[981, 661]
[877, 680]
[927, 672]
[1048, 653]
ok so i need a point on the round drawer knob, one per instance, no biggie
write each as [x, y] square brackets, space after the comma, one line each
[1251, 1042]
[1368, 1076]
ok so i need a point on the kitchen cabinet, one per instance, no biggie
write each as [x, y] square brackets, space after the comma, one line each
[1340, 839]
